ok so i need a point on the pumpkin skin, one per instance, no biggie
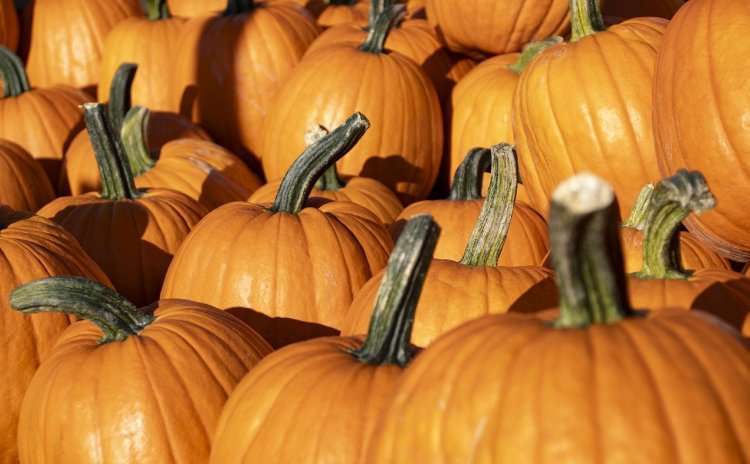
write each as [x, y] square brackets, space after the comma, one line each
[194, 8]
[9, 29]
[693, 254]
[31, 248]
[23, 183]
[608, 123]
[334, 15]
[500, 30]
[713, 139]
[66, 39]
[635, 8]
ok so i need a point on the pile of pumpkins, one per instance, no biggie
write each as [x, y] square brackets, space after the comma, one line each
[374, 231]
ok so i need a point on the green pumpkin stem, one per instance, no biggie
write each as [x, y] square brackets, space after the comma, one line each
[389, 337]
[491, 229]
[467, 182]
[302, 175]
[378, 32]
[586, 253]
[133, 132]
[15, 80]
[235, 7]
[117, 318]
[672, 200]
[120, 92]
[639, 213]
[330, 180]
[585, 19]
[531, 50]
[376, 8]
[117, 179]
[156, 9]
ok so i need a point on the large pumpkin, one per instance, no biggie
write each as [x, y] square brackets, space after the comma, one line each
[31, 248]
[586, 106]
[506, 387]
[403, 150]
[636, 8]
[700, 114]
[23, 183]
[132, 234]
[129, 384]
[289, 269]
[193, 8]
[9, 29]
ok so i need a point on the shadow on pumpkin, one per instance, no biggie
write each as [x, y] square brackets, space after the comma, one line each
[541, 297]
[219, 189]
[392, 171]
[281, 331]
[728, 300]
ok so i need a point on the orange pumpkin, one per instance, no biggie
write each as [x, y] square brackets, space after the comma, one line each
[267, 271]
[194, 8]
[9, 29]
[337, 12]
[700, 114]
[129, 384]
[474, 285]
[505, 387]
[42, 121]
[144, 227]
[404, 148]
[31, 248]
[23, 183]
[329, 423]
[635, 8]
[586, 106]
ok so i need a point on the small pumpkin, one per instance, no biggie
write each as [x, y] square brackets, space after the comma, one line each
[145, 228]
[289, 269]
[195, 8]
[337, 12]
[23, 183]
[505, 387]
[129, 384]
[9, 29]
[341, 384]
[640, 8]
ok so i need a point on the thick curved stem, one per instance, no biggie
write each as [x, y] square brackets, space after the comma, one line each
[378, 33]
[467, 182]
[672, 200]
[117, 180]
[531, 50]
[639, 213]
[376, 8]
[120, 94]
[15, 80]
[330, 180]
[113, 314]
[299, 180]
[586, 253]
[389, 337]
[134, 140]
[156, 9]
[235, 7]
[491, 229]
[585, 19]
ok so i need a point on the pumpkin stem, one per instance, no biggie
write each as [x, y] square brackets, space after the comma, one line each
[330, 180]
[117, 180]
[639, 213]
[531, 50]
[133, 133]
[388, 339]
[15, 80]
[467, 182]
[156, 9]
[117, 318]
[586, 253]
[488, 237]
[120, 94]
[585, 19]
[235, 7]
[672, 200]
[376, 8]
[299, 180]
[378, 33]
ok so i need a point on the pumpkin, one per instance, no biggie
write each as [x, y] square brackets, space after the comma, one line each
[31, 248]
[473, 285]
[262, 260]
[403, 151]
[480, 28]
[229, 68]
[66, 38]
[337, 12]
[23, 183]
[505, 387]
[193, 8]
[151, 42]
[700, 114]
[129, 384]
[368, 193]
[586, 106]
[145, 228]
[9, 29]
[635, 8]
[341, 384]
[39, 120]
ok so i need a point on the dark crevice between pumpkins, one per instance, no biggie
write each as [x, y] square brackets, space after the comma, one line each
[388, 339]
[156, 10]
[117, 318]
[383, 25]
[15, 80]
[235, 7]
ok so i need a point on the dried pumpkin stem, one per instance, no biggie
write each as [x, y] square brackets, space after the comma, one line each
[133, 133]
[467, 182]
[585, 19]
[120, 94]
[378, 33]
[639, 213]
[389, 337]
[156, 9]
[330, 180]
[15, 80]
[531, 50]
[672, 200]
[117, 180]
[586, 253]
[299, 180]
[235, 7]
[488, 237]
[112, 313]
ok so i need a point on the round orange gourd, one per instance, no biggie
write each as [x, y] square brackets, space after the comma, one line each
[701, 120]
[31, 248]
[636, 8]
[23, 183]
[586, 106]
[129, 384]
[505, 387]
[289, 269]
[9, 29]
[132, 234]
[337, 12]
[195, 8]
